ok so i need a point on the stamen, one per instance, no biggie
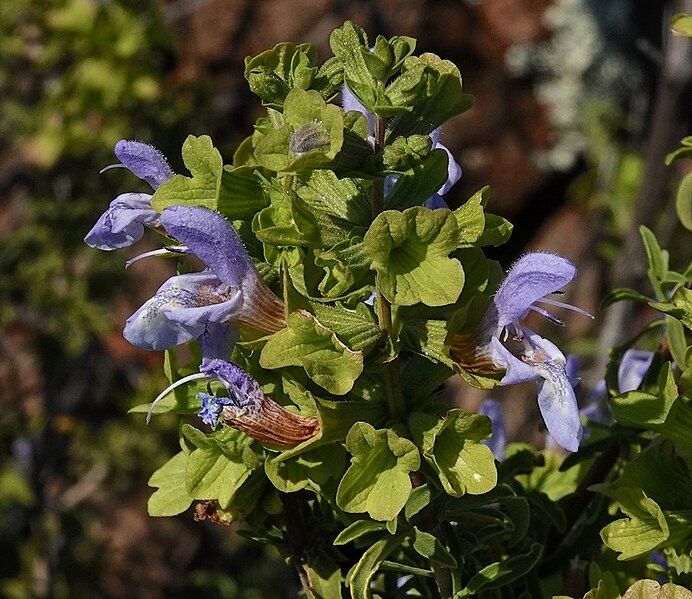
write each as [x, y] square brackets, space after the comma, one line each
[110, 166]
[170, 250]
[547, 315]
[566, 306]
[187, 379]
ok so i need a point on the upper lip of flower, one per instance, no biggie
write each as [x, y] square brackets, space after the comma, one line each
[142, 160]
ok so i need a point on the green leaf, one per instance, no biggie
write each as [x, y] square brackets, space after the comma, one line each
[345, 199]
[171, 496]
[377, 482]
[683, 152]
[666, 412]
[305, 342]
[391, 566]
[650, 589]
[431, 88]
[425, 337]
[660, 474]
[410, 252]
[236, 192]
[349, 43]
[679, 306]
[681, 24]
[606, 588]
[414, 188]
[358, 328]
[311, 469]
[677, 341]
[358, 529]
[346, 266]
[362, 573]
[497, 231]
[219, 466]
[501, 573]
[432, 549]
[546, 511]
[642, 531]
[405, 153]
[324, 574]
[658, 258]
[470, 218]
[452, 446]
[621, 294]
[273, 73]
[551, 480]
[329, 78]
[518, 511]
[420, 498]
[683, 201]
[276, 224]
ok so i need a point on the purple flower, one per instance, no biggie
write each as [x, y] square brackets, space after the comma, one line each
[502, 344]
[122, 224]
[498, 440]
[631, 372]
[633, 368]
[246, 408]
[350, 102]
[195, 305]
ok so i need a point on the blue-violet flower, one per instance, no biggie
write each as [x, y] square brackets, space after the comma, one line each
[192, 306]
[502, 344]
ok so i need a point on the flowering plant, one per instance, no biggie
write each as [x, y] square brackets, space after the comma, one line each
[338, 292]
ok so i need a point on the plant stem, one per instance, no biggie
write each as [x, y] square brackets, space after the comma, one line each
[395, 395]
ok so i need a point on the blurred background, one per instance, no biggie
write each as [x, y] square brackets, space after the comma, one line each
[577, 104]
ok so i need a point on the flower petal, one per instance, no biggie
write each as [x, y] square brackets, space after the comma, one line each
[213, 240]
[597, 408]
[205, 314]
[558, 406]
[453, 170]
[435, 201]
[217, 341]
[122, 224]
[573, 368]
[633, 368]
[515, 370]
[498, 441]
[349, 101]
[532, 277]
[144, 160]
[151, 327]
